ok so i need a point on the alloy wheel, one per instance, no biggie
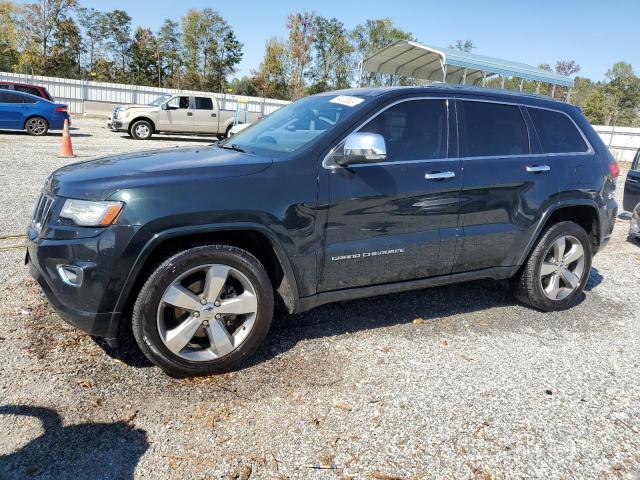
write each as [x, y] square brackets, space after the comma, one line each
[562, 268]
[36, 126]
[207, 312]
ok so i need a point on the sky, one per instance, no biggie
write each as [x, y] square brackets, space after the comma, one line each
[596, 34]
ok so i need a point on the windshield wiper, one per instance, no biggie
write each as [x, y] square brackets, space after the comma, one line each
[233, 146]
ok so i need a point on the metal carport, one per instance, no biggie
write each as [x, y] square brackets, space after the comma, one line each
[417, 61]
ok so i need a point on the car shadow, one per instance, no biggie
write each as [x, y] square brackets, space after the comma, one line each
[49, 134]
[595, 279]
[85, 450]
[431, 305]
[176, 139]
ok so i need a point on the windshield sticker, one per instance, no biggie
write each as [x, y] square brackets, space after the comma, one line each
[347, 100]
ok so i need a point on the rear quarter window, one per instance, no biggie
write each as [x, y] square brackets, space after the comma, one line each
[558, 134]
[492, 129]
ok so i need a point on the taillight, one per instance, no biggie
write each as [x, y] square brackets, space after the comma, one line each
[61, 109]
[614, 168]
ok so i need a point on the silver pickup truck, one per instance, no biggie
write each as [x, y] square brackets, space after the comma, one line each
[191, 114]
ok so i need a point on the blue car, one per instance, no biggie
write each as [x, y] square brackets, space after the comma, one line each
[22, 111]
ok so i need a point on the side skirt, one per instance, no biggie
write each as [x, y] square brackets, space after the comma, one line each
[496, 273]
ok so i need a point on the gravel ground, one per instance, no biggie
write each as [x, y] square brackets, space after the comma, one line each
[457, 381]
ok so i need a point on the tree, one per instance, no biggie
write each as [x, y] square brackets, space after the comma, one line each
[333, 64]
[211, 49]
[92, 24]
[8, 36]
[623, 94]
[463, 45]
[374, 35]
[116, 26]
[39, 23]
[66, 50]
[271, 79]
[169, 46]
[144, 61]
[302, 31]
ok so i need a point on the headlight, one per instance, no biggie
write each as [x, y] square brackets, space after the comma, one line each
[91, 214]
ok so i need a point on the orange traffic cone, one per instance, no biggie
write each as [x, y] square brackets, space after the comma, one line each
[66, 149]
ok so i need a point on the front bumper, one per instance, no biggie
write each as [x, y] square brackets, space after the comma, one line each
[89, 306]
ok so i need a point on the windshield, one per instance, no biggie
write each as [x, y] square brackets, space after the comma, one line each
[296, 125]
[159, 101]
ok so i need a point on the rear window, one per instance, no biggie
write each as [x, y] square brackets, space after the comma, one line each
[204, 103]
[492, 129]
[31, 90]
[558, 134]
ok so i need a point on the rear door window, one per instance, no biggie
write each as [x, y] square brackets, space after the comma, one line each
[558, 134]
[204, 103]
[492, 129]
[412, 130]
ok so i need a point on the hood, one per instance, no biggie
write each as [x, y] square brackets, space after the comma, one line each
[100, 178]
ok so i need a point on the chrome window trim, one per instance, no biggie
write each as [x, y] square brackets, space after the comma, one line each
[329, 164]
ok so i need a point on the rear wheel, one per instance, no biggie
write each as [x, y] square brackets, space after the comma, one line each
[141, 130]
[554, 275]
[203, 310]
[36, 126]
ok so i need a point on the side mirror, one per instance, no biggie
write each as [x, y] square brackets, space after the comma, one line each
[362, 148]
[164, 106]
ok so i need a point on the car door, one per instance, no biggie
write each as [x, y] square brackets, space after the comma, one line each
[11, 110]
[177, 116]
[397, 219]
[205, 115]
[632, 185]
[505, 183]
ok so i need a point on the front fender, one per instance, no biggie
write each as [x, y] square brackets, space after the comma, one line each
[160, 237]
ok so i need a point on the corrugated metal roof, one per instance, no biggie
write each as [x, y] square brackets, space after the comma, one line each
[425, 62]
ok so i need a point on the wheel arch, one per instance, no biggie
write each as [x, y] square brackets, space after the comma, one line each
[256, 239]
[584, 212]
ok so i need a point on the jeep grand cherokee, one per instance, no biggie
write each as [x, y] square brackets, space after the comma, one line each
[337, 196]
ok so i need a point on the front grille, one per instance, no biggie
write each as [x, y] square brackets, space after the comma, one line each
[41, 213]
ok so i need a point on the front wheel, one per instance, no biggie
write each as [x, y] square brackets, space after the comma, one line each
[204, 310]
[556, 272]
[141, 130]
[36, 126]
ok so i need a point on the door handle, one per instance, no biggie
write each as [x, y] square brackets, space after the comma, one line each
[538, 168]
[213, 115]
[439, 175]
[189, 114]
[632, 180]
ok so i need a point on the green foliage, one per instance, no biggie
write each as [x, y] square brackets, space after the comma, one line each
[8, 36]
[211, 50]
[374, 35]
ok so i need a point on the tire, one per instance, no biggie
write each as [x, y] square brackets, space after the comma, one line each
[155, 321]
[36, 126]
[534, 284]
[141, 130]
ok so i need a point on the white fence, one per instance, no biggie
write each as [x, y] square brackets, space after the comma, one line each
[623, 142]
[76, 92]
